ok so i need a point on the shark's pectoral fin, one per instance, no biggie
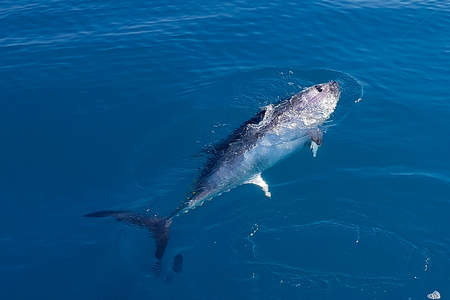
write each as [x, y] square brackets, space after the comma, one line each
[314, 147]
[259, 181]
[316, 140]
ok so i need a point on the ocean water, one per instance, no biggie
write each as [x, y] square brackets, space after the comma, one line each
[108, 105]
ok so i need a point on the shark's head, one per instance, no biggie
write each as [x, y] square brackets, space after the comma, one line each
[330, 89]
[317, 103]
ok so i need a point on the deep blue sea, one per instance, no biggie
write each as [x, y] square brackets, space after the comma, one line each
[110, 104]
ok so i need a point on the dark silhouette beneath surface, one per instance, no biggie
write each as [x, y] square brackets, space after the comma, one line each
[159, 227]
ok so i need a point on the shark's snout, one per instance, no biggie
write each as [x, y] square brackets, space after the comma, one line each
[334, 87]
[334, 84]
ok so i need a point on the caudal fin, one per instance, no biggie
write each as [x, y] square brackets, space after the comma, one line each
[159, 227]
[105, 213]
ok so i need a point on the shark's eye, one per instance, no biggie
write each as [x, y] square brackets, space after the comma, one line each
[318, 88]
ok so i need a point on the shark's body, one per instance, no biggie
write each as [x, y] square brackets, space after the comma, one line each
[271, 135]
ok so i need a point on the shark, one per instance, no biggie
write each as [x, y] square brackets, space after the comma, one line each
[272, 134]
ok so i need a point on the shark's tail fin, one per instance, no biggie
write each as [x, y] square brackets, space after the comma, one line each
[159, 227]
[106, 213]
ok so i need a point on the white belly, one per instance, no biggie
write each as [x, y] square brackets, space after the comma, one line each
[268, 151]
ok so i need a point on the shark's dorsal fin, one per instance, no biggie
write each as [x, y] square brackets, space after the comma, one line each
[259, 181]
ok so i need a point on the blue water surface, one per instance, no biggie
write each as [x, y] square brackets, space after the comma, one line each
[108, 105]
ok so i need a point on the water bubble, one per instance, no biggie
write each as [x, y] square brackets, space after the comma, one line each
[427, 263]
[255, 229]
[434, 295]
